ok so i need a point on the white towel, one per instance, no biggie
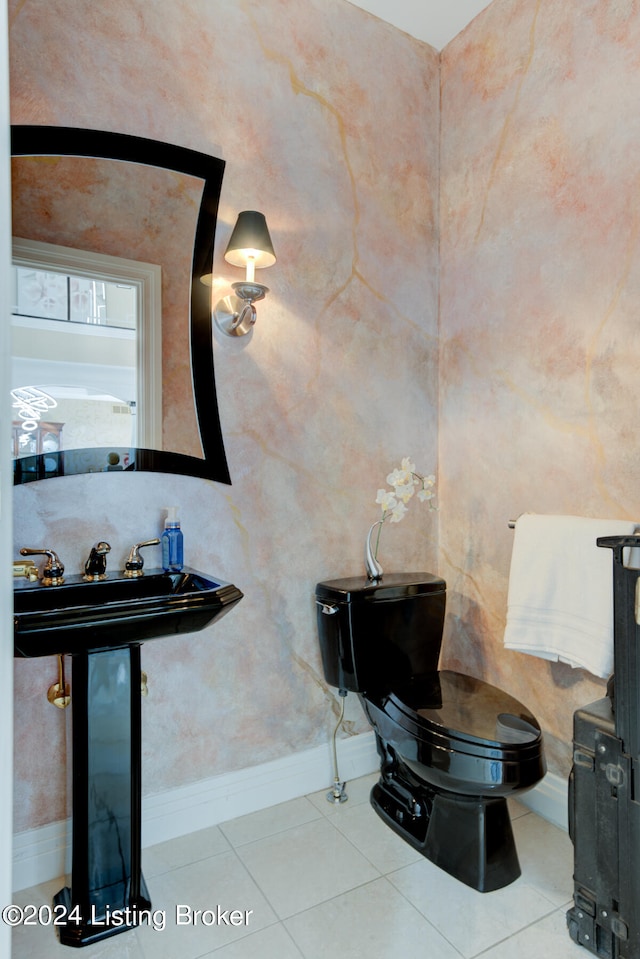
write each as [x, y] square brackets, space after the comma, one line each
[560, 603]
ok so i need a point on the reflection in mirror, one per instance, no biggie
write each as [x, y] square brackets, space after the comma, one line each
[78, 318]
[156, 207]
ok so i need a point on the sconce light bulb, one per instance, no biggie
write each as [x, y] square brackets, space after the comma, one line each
[251, 268]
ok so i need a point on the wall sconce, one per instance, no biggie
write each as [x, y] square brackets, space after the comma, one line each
[250, 245]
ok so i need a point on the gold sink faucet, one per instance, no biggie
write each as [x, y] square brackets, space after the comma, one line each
[53, 570]
[96, 566]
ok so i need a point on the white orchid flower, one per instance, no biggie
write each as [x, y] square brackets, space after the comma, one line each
[404, 483]
[398, 477]
[386, 500]
[397, 513]
[405, 493]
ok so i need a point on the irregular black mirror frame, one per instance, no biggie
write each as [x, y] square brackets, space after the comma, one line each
[27, 140]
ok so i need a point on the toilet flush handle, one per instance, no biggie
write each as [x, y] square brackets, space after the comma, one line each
[329, 609]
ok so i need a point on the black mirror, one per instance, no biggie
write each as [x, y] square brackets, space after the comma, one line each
[46, 141]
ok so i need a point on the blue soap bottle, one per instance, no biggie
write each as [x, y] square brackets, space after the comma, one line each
[172, 542]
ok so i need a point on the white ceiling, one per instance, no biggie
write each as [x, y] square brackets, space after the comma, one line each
[434, 21]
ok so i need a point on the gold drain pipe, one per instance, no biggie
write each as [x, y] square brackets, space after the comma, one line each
[59, 693]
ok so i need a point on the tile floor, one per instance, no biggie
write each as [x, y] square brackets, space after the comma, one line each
[310, 879]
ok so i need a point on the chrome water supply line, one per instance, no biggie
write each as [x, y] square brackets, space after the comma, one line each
[337, 793]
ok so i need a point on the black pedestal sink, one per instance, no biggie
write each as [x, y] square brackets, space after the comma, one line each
[102, 625]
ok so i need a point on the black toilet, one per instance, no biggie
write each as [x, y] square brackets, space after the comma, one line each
[452, 747]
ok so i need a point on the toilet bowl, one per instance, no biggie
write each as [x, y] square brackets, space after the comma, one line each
[452, 748]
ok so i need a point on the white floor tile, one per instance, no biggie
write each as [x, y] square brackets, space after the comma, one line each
[548, 937]
[174, 853]
[546, 857]
[470, 920]
[220, 881]
[382, 846]
[305, 865]
[372, 921]
[272, 943]
[41, 941]
[517, 809]
[318, 879]
[268, 822]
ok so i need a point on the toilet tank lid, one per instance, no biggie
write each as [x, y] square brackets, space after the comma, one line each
[391, 586]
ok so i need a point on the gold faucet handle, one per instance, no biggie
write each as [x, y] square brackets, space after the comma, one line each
[134, 565]
[26, 568]
[53, 571]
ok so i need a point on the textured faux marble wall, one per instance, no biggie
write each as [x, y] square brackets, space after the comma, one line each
[328, 120]
[540, 277]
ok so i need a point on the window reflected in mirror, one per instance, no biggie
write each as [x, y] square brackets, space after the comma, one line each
[77, 322]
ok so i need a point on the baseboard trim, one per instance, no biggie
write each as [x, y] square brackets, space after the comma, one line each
[44, 853]
[549, 799]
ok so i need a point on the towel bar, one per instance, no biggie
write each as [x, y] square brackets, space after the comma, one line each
[512, 525]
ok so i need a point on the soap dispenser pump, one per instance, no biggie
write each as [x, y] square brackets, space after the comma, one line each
[172, 542]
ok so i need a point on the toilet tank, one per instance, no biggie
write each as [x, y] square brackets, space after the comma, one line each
[373, 635]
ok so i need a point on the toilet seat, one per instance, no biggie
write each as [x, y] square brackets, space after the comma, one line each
[454, 706]
[459, 733]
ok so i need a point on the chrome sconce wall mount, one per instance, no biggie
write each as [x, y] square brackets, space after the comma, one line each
[250, 246]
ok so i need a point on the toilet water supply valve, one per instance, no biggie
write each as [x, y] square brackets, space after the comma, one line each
[337, 794]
